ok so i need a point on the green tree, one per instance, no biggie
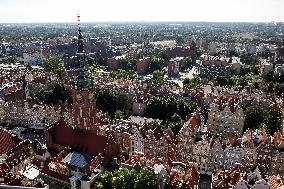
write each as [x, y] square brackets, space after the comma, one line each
[13, 59]
[105, 180]
[163, 54]
[145, 179]
[54, 92]
[123, 178]
[248, 59]
[191, 83]
[54, 65]
[179, 40]
[127, 64]
[165, 108]
[100, 60]
[153, 124]
[111, 100]
[127, 179]
[279, 88]
[268, 76]
[156, 108]
[267, 87]
[223, 81]
[242, 81]
[254, 117]
[273, 120]
[279, 78]
[123, 74]
[158, 77]
[176, 123]
[186, 63]
[119, 115]
[155, 64]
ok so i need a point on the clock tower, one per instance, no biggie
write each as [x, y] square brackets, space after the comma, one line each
[84, 103]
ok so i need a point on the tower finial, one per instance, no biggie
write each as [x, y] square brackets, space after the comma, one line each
[80, 36]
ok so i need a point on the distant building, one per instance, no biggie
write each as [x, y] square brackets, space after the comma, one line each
[236, 65]
[112, 64]
[173, 68]
[142, 65]
[279, 69]
[138, 108]
[34, 56]
[179, 52]
[280, 56]
[216, 155]
[250, 49]
[265, 66]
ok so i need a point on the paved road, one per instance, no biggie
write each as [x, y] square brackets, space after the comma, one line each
[189, 74]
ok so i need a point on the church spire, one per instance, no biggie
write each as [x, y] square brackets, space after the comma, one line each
[80, 37]
[83, 80]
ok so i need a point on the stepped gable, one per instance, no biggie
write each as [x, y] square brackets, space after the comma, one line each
[8, 141]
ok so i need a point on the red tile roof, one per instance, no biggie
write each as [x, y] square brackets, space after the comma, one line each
[233, 141]
[192, 177]
[82, 141]
[218, 177]
[95, 161]
[8, 141]
[234, 176]
[227, 101]
[277, 138]
[276, 181]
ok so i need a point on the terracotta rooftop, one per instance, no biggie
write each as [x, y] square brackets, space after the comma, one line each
[233, 141]
[247, 136]
[192, 177]
[277, 138]
[81, 141]
[276, 181]
[8, 141]
[192, 123]
[234, 176]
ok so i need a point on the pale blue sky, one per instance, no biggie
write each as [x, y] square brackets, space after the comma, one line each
[137, 10]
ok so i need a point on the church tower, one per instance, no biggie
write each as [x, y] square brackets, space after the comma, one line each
[84, 103]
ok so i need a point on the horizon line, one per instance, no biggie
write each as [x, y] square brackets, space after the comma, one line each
[137, 21]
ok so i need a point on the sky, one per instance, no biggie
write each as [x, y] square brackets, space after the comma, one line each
[26, 11]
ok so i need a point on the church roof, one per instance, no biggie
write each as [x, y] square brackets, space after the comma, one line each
[81, 141]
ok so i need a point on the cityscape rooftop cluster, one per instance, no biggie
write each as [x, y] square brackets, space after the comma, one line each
[142, 105]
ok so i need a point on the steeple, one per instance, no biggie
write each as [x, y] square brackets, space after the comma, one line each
[83, 80]
[80, 37]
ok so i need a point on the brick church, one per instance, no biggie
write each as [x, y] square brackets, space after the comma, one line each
[80, 129]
